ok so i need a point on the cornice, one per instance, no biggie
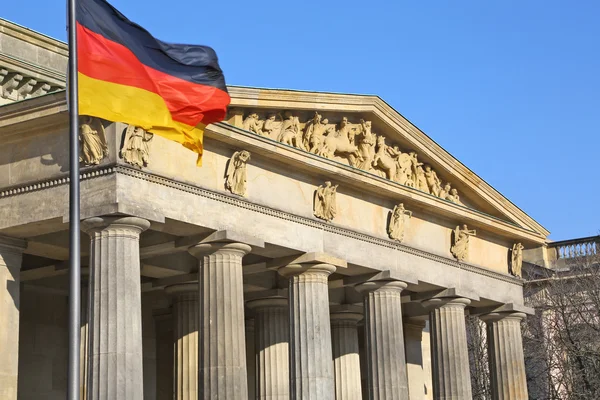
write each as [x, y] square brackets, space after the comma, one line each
[33, 37]
[96, 172]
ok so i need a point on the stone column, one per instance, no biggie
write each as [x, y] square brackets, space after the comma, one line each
[115, 331]
[346, 360]
[413, 334]
[250, 358]
[386, 363]
[271, 330]
[11, 252]
[221, 341]
[163, 322]
[505, 350]
[449, 354]
[185, 340]
[311, 365]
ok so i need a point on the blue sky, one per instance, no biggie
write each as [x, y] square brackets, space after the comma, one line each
[510, 88]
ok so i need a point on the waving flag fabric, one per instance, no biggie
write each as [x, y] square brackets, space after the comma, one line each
[127, 75]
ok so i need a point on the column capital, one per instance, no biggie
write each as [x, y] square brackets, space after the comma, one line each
[183, 290]
[267, 302]
[322, 270]
[204, 249]
[97, 224]
[381, 286]
[438, 302]
[498, 316]
[345, 313]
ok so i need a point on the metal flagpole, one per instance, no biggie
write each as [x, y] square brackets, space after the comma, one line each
[74, 242]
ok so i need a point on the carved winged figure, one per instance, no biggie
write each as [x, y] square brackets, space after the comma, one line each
[136, 149]
[92, 140]
[325, 201]
[235, 176]
[396, 226]
[516, 262]
[460, 249]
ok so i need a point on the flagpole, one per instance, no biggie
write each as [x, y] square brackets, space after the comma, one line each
[74, 215]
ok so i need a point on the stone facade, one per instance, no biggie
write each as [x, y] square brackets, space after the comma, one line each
[291, 234]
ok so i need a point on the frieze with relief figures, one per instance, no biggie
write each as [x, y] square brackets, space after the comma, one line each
[352, 143]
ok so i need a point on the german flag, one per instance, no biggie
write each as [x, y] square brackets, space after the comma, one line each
[127, 75]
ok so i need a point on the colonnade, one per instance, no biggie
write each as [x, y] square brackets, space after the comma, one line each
[304, 347]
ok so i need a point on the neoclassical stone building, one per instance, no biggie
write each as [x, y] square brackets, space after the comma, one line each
[327, 249]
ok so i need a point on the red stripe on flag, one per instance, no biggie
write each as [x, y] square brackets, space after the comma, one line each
[189, 103]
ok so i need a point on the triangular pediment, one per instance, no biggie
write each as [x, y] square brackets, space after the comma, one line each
[364, 132]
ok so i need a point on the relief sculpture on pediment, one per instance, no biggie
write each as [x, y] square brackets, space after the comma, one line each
[92, 141]
[354, 144]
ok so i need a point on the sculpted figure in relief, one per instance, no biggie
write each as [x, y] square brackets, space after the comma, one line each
[433, 182]
[253, 124]
[136, 149]
[383, 160]
[422, 180]
[366, 147]
[338, 143]
[312, 128]
[396, 227]
[92, 140]
[453, 197]
[325, 201]
[516, 262]
[290, 132]
[445, 191]
[413, 168]
[269, 126]
[235, 176]
[460, 249]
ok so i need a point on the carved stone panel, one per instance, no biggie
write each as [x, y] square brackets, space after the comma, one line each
[460, 247]
[516, 260]
[398, 221]
[92, 141]
[136, 146]
[325, 206]
[235, 176]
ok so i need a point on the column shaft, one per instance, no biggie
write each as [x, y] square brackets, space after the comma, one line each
[185, 340]
[222, 353]
[449, 354]
[386, 362]
[250, 358]
[10, 267]
[346, 360]
[271, 330]
[311, 365]
[505, 349]
[163, 322]
[413, 334]
[115, 331]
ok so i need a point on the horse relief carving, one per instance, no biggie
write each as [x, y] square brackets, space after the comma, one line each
[355, 144]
